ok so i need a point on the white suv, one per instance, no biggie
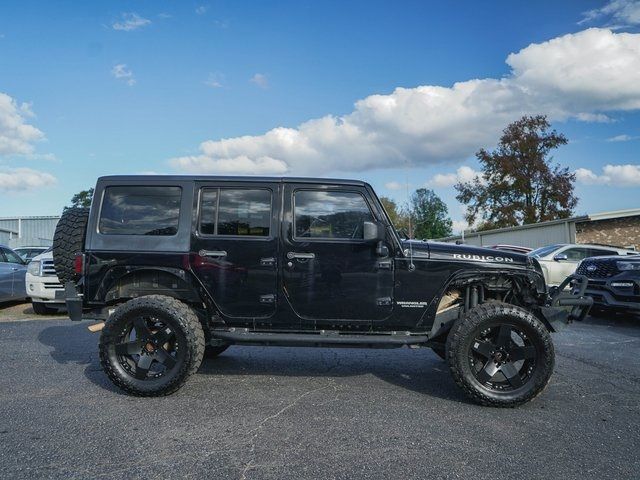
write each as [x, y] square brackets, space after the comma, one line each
[561, 260]
[42, 284]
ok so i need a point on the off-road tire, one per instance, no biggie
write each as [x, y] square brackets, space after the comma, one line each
[40, 308]
[465, 330]
[212, 351]
[182, 320]
[68, 240]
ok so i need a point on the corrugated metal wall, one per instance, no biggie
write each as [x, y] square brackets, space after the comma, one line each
[4, 237]
[33, 231]
[532, 237]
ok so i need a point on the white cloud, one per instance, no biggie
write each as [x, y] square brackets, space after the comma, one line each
[616, 13]
[612, 175]
[241, 164]
[214, 80]
[261, 80]
[458, 226]
[21, 179]
[16, 135]
[202, 9]
[578, 76]
[622, 138]
[463, 174]
[393, 185]
[121, 72]
[130, 21]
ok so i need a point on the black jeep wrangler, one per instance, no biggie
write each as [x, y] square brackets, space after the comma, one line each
[177, 268]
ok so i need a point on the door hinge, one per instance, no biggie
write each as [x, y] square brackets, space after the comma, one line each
[267, 262]
[270, 298]
[384, 301]
[384, 265]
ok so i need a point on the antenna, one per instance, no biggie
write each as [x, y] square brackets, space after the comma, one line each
[411, 265]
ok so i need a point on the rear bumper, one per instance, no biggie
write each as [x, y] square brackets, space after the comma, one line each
[72, 299]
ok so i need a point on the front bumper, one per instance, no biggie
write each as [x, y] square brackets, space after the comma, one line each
[621, 292]
[565, 306]
[43, 288]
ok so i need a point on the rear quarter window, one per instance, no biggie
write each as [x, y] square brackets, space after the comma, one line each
[136, 210]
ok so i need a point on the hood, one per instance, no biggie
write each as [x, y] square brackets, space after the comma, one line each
[466, 253]
[47, 255]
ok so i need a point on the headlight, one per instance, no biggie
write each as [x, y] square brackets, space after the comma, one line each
[628, 265]
[34, 268]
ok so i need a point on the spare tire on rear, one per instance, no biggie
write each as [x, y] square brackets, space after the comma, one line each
[68, 240]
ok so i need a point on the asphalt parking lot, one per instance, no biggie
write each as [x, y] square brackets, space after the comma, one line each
[262, 413]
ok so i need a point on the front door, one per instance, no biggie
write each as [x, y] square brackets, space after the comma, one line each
[329, 272]
[235, 248]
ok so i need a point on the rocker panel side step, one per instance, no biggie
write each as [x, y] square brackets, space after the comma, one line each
[320, 339]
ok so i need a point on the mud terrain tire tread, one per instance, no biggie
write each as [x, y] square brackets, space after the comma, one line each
[68, 240]
[457, 353]
[185, 319]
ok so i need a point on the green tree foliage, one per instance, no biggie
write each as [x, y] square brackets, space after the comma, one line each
[81, 199]
[398, 215]
[429, 215]
[519, 183]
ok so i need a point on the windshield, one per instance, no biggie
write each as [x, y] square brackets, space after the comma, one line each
[544, 251]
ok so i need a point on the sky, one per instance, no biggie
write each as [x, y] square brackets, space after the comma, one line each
[400, 94]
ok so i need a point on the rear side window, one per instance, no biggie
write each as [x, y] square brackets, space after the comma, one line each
[598, 252]
[11, 256]
[140, 211]
[330, 215]
[236, 212]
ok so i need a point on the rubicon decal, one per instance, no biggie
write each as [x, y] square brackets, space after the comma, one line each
[482, 258]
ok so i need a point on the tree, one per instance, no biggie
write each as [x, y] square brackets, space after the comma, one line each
[398, 215]
[429, 215]
[519, 184]
[81, 199]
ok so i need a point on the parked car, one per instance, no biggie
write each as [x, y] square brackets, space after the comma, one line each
[614, 283]
[561, 260]
[28, 253]
[512, 248]
[12, 273]
[42, 284]
[173, 266]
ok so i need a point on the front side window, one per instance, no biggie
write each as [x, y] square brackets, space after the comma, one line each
[237, 212]
[140, 211]
[11, 256]
[576, 254]
[331, 215]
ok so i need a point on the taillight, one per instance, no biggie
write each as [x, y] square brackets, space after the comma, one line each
[78, 264]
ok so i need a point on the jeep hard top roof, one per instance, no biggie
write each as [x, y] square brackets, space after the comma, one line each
[224, 178]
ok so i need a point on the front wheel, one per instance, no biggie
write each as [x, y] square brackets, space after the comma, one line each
[150, 345]
[500, 355]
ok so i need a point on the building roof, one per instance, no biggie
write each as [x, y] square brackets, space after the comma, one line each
[631, 212]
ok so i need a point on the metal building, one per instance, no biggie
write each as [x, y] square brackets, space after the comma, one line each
[27, 231]
[620, 228]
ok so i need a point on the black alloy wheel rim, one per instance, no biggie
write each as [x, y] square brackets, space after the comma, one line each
[502, 358]
[147, 348]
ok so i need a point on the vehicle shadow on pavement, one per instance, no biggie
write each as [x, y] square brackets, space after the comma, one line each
[421, 371]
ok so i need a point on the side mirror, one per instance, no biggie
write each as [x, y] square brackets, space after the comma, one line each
[560, 257]
[372, 232]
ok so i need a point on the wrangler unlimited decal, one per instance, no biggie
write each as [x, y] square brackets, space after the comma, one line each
[482, 258]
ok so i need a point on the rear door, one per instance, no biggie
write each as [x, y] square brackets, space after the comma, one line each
[235, 247]
[14, 269]
[6, 278]
[329, 273]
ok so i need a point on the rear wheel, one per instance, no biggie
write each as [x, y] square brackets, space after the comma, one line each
[151, 345]
[500, 355]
